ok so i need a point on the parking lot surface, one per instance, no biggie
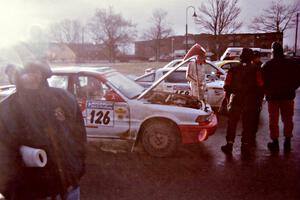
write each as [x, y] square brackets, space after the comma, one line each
[196, 171]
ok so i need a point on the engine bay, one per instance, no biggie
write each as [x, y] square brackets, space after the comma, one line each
[166, 98]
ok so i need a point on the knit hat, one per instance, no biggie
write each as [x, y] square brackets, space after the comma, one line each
[247, 55]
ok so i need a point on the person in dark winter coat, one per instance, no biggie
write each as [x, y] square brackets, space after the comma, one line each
[281, 78]
[42, 117]
[243, 86]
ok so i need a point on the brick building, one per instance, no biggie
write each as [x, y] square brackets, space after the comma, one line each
[214, 44]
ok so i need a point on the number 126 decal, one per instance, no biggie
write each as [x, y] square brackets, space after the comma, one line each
[100, 117]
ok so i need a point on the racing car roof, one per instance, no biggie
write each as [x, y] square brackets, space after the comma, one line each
[79, 69]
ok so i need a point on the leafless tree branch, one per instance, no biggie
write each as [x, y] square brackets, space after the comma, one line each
[66, 31]
[158, 30]
[112, 30]
[277, 18]
[219, 16]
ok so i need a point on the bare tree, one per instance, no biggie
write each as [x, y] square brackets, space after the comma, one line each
[219, 16]
[112, 30]
[158, 30]
[66, 31]
[277, 18]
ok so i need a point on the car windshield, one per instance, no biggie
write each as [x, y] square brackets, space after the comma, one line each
[126, 86]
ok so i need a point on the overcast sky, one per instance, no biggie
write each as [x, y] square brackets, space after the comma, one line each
[17, 16]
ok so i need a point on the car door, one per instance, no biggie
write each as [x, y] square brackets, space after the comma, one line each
[215, 92]
[105, 113]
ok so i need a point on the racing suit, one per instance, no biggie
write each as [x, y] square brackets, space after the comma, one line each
[48, 119]
[243, 86]
[196, 76]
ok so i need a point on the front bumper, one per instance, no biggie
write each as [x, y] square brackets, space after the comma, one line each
[196, 133]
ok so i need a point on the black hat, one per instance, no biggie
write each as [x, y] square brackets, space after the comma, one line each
[38, 65]
[277, 49]
[276, 46]
[247, 55]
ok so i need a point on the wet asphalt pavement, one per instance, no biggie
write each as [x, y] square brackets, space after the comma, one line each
[198, 171]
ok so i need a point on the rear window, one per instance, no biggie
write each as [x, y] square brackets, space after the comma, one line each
[58, 82]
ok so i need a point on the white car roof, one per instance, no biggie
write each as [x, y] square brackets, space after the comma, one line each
[170, 65]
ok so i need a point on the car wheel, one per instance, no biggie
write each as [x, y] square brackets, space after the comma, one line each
[160, 139]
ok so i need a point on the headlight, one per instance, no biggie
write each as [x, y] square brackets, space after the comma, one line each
[204, 119]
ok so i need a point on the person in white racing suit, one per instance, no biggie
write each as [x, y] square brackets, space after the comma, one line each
[195, 73]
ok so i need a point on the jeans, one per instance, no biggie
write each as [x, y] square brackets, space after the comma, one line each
[74, 194]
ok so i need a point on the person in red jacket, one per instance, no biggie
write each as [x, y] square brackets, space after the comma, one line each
[281, 79]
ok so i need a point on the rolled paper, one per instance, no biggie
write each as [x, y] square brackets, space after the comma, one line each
[33, 157]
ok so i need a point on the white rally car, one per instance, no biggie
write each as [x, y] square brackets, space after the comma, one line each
[177, 82]
[114, 106]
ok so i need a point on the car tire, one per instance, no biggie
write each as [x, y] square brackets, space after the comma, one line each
[160, 139]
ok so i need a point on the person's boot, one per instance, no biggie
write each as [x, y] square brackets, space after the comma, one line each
[273, 146]
[287, 145]
[227, 148]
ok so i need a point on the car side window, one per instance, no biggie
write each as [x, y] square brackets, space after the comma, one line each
[58, 82]
[147, 78]
[176, 77]
[226, 67]
[89, 88]
[209, 69]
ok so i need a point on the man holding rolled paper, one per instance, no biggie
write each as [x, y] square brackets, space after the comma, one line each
[42, 139]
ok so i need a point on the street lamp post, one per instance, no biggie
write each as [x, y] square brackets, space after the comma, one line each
[186, 25]
[296, 35]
